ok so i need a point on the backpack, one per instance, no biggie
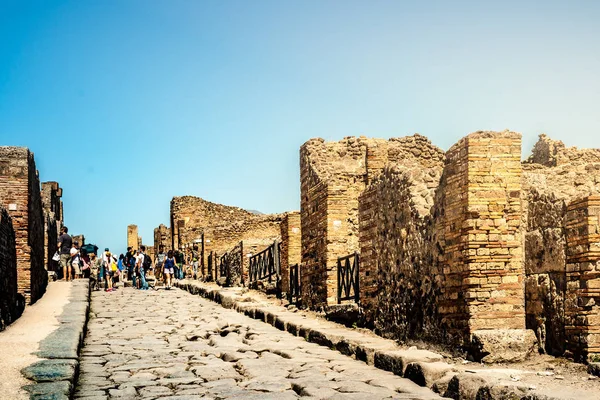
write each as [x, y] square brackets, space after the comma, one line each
[147, 262]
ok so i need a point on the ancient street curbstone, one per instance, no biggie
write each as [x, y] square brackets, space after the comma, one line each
[51, 370]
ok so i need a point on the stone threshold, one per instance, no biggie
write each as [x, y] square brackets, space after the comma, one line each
[55, 376]
[424, 367]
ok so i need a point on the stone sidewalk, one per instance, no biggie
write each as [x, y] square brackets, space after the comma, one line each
[40, 350]
[455, 380]
[169, 344]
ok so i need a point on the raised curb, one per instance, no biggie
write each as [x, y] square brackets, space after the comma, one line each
[55, 376]
[423, 367]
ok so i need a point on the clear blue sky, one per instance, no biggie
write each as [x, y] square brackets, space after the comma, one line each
[128, 103]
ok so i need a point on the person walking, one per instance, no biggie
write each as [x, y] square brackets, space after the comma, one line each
[95, 264]
[85, 264]
[159, 261]
[179, 265]
[169, 269]
[195, 258]
[64, 248]
[75, 260]
[106, 263]
[141, 266]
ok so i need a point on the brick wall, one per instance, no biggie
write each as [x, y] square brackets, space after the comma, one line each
[291, 246]
[51, 201]
[582, 313]
[162, 237]
[441, 255]
[20, 194]
[132, 237]
[11, 302]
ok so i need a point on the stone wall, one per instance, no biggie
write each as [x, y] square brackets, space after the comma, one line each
[441, 255]
[162, 237]
[582, 312]
[11, 302]
[332, 177]
[79, 239]
[53, 221]
[132, 237]
[555, 176]
[291, 246]
[20, 194]
[223, 227]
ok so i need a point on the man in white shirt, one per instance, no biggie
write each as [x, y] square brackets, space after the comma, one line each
[139, 262]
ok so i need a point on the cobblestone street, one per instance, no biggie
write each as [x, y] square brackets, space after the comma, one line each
[173, 345]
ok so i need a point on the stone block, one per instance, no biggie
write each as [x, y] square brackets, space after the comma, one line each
[502, 345]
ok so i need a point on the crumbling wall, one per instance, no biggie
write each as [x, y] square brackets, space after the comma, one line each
[189, 215]
[554, 177]
[51, 201]
[582, 309]
[162, 237]
[332, 175]
[132, 237]
[441, 255]
[11, 302]
[20, 195]
[291, 246]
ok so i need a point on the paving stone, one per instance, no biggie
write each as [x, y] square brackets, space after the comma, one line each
[185, 347]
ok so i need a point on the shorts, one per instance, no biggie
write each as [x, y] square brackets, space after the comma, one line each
[169, 271]
[65, 260]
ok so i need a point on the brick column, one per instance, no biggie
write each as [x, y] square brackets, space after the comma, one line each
[582, 313]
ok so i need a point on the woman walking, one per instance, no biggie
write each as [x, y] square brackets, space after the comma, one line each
[169, 269]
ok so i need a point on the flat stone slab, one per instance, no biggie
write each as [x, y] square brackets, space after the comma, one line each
[51, 370]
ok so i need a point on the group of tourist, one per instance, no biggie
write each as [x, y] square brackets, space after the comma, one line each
[132, 266]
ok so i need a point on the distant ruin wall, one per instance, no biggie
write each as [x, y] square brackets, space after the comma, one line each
[132, 237]
[11, 302]
[162, 237]
[51, 201]
[20, 195]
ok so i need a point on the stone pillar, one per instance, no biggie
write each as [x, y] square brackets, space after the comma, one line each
[132, 237]
[20, 195]
[11, 302]
[582, 313]
[482, 262]
[51, 194]
[291, 246]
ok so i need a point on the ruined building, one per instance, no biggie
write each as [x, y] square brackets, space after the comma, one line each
[467, 247]
[132, 237]
[53, 221]
[224, 231]
[20, 195]
[12, 302]
[162, 237]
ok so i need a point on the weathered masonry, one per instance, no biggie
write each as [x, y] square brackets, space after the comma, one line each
[20, 195]
[469, 247]
[133, 239]
[11, 302]
[222, 233]
[162, 237]
[53, 220]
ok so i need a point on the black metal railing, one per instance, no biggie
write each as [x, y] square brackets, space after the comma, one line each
[294, 295]
[347, 282]
[223, 265]
[265, 265]
[210, 267]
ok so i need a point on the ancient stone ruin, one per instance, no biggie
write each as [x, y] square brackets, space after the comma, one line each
[53, 221]
[20, 195]
[12, 302]
[469, 247]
